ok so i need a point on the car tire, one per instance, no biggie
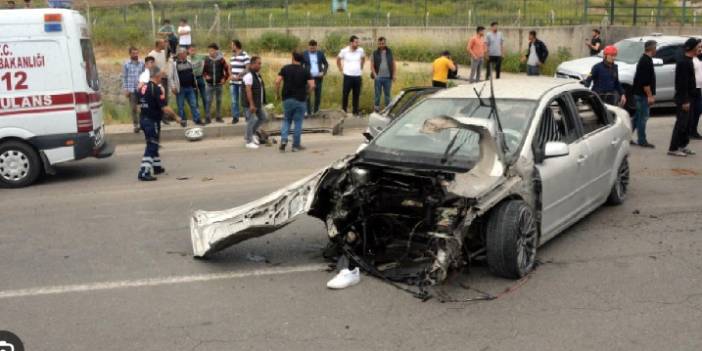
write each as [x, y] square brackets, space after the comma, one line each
[621, 184]
[20, 164]
[511, 239]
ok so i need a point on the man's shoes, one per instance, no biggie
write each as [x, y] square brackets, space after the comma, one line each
[165, 122]
[147, 178]
[647, 145]
[298, 148]
[183, 123]
[159, 170]
[696, 136]
[235, 120]
[255, 140]
[677, 153]
[688, 152]
[282, 147]
[137, 130]
[345, 278]
[219, 120]
[251, 145]
[208, 121]
[200, 123]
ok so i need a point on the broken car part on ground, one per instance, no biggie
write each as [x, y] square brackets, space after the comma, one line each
[454, 179]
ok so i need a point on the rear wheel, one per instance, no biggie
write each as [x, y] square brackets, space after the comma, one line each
[511, 239]
[621, 185]
[20, 164]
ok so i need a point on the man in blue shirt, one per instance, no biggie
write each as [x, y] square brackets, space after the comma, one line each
[316, 65]
[130, 80]
[604, 79]
[152, 99]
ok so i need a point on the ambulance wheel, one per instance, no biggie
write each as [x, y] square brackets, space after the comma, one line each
[20, 164]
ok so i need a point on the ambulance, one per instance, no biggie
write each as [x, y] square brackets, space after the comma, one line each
[50, 105]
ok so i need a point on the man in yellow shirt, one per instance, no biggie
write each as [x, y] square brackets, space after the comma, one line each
[440, 70]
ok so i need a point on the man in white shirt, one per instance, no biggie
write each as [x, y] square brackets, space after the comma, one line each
[185, 38]
[697, 102]
[350, 61]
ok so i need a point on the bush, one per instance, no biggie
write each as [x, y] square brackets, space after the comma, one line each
[334, 42]
[274, 41]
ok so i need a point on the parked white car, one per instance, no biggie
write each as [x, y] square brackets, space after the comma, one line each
[455, 179]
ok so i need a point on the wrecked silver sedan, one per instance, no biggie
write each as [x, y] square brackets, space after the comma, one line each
[472, 172]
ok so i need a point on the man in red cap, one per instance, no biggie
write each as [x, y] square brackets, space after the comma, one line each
[604, 78]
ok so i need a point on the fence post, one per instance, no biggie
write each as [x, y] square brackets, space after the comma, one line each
[124, 14]
[636, 14]
[586, 6]
[684, 12]
[87, 12]
[611, 12]
[153, 20]
[287, 17]
[524, 6]
[426, 14]
[388, 19]
[658, 13]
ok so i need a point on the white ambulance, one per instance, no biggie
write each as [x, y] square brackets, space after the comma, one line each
[50, 105]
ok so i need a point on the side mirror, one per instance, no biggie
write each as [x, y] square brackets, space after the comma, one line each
[555, 149]
[657, 61]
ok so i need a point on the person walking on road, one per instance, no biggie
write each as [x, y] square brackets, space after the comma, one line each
[185, 91]
[185, 37]
[594, 43]
[297, 83]
[131, 71]
[536, 55]
[440, 70]
[254, 101]
[685, 94]
[198, 62]
[697, 105]
[476, 49]
[316, 64]
[496, 48]
[604, 78]
[216, 73]
[152, 101]
[350, 62]
[239, 64]
[383, 71]
[644, 92]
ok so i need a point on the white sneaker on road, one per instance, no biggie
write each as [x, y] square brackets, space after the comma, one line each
[251, 145]
[345, 278]
[255, 140]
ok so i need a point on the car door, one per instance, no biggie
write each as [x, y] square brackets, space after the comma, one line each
[407, 98]
[562, 178]
[603, 141]
[665, 74]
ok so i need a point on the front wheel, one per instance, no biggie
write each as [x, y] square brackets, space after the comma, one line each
[20, 165]
[621, 185]
[511, 239]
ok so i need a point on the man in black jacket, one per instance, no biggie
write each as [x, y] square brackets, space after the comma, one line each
[685, 93]
[536, 55]
[216, 73]
[316, 65]
[644, 92]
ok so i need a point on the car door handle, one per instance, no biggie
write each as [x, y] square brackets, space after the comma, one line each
[615, 142]
[581, 159]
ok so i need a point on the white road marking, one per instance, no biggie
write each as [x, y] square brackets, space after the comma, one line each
[150, 282]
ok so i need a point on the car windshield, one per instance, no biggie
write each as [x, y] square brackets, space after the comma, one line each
[406, 135]
[629, 51]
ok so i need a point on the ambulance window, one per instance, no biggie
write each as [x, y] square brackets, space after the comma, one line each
[91, 73]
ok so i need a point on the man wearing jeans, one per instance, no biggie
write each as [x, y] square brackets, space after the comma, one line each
[536, 55]
[216, 72]
[254, 100]
[644, 91]
[495, 45]
[239, 63]
[297, 82]
[316, 63]
[350, 61]
[130, 80]
[198, 61]
[383, 71]
[186, 89]
[476, 50]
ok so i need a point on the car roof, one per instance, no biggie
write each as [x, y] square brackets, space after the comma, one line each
[662, 39]
[525, 88]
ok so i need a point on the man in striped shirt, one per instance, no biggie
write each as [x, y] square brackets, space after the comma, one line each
[130, 79]
[239, 63]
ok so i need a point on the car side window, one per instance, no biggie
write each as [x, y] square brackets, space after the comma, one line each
[670, 54]
[591, 112]
[557, 124]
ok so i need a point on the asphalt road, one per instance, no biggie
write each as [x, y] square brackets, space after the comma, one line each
[94, 260]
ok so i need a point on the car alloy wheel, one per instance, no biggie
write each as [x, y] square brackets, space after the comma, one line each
[511, 239]
[526, 241]
[621, 184]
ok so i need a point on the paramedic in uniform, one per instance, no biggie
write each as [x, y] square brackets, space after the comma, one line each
[152, 101]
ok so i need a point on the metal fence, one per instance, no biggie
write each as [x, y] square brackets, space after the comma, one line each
[227, 14]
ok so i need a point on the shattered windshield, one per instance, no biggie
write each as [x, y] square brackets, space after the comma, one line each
[406, 135]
